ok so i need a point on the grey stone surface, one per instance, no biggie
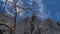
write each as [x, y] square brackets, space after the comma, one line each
[27, 26]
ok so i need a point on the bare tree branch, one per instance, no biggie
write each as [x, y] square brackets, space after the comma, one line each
[20, 6]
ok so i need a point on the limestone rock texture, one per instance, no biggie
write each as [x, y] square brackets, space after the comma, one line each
[36, 26]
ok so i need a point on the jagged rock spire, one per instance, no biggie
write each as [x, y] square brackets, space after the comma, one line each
[33, 17]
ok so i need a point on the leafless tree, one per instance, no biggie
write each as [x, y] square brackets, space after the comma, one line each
[12, 28]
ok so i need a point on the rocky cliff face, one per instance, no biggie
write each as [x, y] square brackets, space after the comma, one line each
[49, 27]
[26, 26]
[36, 26]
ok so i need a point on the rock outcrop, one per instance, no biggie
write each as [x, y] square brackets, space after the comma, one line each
[35, 26]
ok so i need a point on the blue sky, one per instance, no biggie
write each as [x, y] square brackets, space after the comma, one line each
[43, 9]
[54, 7]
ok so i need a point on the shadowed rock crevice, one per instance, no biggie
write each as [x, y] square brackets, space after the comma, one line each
[49, 26]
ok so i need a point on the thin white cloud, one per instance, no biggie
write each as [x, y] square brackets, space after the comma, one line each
[10, 0]
[21, 12]
[41, 8]
[3, 0]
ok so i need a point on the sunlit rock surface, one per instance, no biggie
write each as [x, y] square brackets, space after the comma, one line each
[48, 26]
[33, 25]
